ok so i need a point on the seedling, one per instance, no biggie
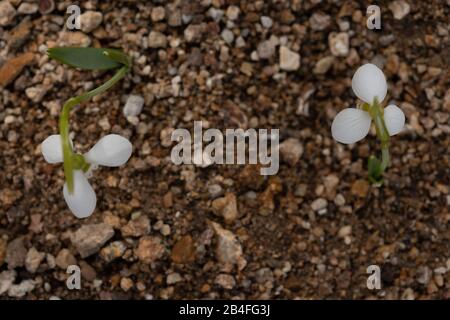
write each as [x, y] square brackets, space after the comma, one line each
[112, 150]
[353, 124]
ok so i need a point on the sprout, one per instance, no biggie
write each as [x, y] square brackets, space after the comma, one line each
[353, 124]
[112, 150]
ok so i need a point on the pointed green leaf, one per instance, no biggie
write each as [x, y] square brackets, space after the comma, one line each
[118, 56]
[84, 58]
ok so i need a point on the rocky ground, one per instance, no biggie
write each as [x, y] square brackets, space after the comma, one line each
[162, 231]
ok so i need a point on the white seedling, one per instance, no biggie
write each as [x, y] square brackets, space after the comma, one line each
[353, 124]
[111, 151]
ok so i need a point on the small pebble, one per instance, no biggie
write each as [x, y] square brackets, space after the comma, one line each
[289, 60]
[90, 20]
[27, 8]
[232, 12]
[7, 13]
[339, 44]
[266, 22]
[133, 106]
[158, 14]
[399, 8]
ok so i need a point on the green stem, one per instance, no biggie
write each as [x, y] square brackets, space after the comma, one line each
[70, 159]
[376, 112]
[384, 158]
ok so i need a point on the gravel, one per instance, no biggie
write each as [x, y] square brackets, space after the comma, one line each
[339, 44]
[400, 9]
[137, 227]
[16, 253]
[90, 238]
[158, 14]
[266, 49]
[157, 40]
[291, 150]
[21, 289]
[289, 60]
[226, 207]
[308, 232]
[27, 8]
[266, 22]
[319, 21]
[133, 106]
[90, 20]
[7, 13]
[65, 258]
[319, 204]
[149, 249]
[7, 278]
[323, 65]
[33, 260]
[228, 250]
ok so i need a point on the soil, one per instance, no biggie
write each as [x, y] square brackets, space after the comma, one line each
[308, 232]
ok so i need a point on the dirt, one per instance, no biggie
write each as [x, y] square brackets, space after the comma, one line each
[310, 231]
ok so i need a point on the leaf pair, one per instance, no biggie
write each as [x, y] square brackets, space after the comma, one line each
[90, 58]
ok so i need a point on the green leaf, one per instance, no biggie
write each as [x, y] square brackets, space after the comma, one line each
[85, 58]
[118, 56]
[375, 170]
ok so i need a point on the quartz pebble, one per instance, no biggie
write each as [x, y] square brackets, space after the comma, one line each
[137, 227]
[345, 231]
[27, 8]
[133, 106]
[289, 60]
[226, 207]
[21, 289]
[65, 258]
[90, 20]
[7, 278]
[323, 65]
[291, 150]
[339, 44]
[114, 250]
[319, 21]
[399, 8]
[157, 40]
[16, 253]
[228, 250]
[149, 249]
[7, 13]
[225, 281]
[158, 14]
[227, 36]
[73, 39]
[37, 93]
[266, 22]
[90, 238]
[173, 278]
[33, 260]
[266, 49]
[232, 12]
[319, 204]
